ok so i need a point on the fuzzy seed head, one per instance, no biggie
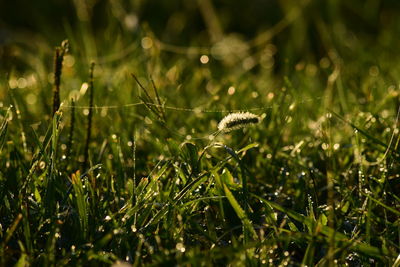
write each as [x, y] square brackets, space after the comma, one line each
[237, 120]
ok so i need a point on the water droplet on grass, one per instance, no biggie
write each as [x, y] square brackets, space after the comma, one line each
[180, 247]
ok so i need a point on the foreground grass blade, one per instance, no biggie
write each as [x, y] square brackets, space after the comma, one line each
[382, 204]
[365, 133]
[248, 229]
[397, 262]
[3, 129]
[81, 204]
[327, 232]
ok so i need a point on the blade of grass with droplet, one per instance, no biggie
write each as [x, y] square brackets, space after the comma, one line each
[3, 130]
[144, 214]
[17, 112]
[202, 199]
[308, 258]
[366, 134]
[23, 259]
[227, 179]
[219, 190]
[80, 203]
[244, 177]
[27, 228]
[10, 231]
[49, 199]
[160, 105]
[248, 147]
[247, 226]
[382, 204]
[144, 191]
[397, 262]
[187, 189]
[42, 145]
[327, 231]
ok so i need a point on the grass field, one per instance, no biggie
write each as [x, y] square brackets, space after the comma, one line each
[110, 152]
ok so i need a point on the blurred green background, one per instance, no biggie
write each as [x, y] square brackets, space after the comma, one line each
[299, 29]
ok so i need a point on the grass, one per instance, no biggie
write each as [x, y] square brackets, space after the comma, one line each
[132, 167]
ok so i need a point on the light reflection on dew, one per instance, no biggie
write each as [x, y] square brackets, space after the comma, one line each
[231, 90]
[84, 88]
[31, 99]
[147, 42]
[204, 59]
[180, 247]
[22, 83]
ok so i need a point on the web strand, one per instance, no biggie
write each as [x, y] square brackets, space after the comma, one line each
[187, 109]
[195, 110]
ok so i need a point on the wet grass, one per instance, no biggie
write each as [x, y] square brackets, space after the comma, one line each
[132, 167]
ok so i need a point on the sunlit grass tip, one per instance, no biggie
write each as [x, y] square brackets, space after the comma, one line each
[234, 121]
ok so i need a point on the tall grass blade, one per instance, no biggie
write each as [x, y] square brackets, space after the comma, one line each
[58, 63]
[248, 229]
[81, 204]
[160, 105]
[90, 116]
[71, 130]
[382, 204]
[3, 129]
[397, 262]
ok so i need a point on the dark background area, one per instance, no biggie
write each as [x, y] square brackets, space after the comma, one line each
[183, 23]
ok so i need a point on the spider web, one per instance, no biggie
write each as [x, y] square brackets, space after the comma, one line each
[195, 110]
[189, 109]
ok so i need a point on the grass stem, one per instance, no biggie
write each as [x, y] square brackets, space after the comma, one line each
[90, 115]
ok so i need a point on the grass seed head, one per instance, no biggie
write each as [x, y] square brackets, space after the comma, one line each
[237, 120]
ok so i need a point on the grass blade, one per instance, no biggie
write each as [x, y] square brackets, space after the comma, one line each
[81, 205]
[248, 229]
[327, 232]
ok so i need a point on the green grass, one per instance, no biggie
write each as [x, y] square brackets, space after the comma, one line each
[316, 182]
